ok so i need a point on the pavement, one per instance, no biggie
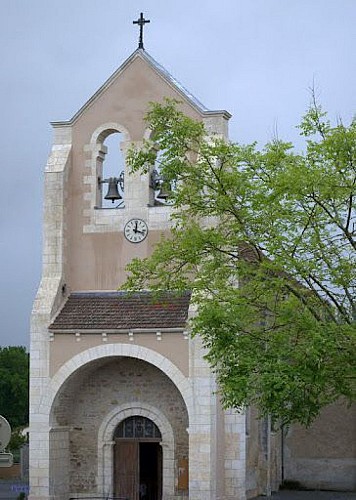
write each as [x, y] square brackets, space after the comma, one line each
[10, 490]
[310, 495]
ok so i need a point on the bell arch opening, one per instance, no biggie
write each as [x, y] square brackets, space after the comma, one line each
[161, 184]
[110, 169]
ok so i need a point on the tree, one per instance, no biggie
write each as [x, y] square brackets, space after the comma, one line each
[265, 239]
[14, 374]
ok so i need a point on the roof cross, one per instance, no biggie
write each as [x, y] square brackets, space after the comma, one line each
[141, 21]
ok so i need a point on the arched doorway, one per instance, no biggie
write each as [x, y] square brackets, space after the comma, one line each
[116, 376]
[138, 459]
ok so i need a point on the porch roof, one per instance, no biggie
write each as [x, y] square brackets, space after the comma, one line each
[122, 311]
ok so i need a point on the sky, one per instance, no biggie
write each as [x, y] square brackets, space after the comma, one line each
[257, 59]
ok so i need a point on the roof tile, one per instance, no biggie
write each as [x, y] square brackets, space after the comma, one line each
[120, 310]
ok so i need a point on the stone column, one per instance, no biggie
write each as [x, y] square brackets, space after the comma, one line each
[202, 427]
[59, 463]
[48, 297]
[137, 191]
[235, 455]
[106, 474]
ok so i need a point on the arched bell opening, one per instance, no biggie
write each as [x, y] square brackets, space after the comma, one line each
[110, 171]
[161, 187]
[138, 459]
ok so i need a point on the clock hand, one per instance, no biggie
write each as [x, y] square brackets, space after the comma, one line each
[135, 230]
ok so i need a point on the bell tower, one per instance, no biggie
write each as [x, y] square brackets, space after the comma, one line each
[96, 246]
[103, 361]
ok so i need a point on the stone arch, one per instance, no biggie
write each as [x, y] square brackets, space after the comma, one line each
[106, 443]
[103, 131]
[96, 151]
[111, 350]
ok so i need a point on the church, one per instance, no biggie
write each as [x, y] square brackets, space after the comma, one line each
[123, 404]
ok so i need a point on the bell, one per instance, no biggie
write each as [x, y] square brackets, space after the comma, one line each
[165, 191]
[113, 193]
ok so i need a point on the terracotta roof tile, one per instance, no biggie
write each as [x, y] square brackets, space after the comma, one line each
[120, 310]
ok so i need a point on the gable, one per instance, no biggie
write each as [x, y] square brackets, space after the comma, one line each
[138, 81]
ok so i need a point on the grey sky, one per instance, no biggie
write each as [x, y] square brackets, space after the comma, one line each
[254, 58]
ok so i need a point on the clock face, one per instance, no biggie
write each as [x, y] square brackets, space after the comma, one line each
[135, 230]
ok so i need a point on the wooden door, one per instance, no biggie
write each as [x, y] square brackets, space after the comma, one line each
[127, 469]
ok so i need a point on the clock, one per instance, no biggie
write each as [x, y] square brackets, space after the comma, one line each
[135, 230]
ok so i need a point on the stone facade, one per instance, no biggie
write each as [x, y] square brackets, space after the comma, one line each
[80, 387]
[85, 383]
[103, 387]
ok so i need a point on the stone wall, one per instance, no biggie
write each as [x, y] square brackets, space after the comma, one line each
[324, 455]
[59, 462]
[263, 455]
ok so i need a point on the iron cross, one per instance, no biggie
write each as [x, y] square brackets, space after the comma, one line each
[141, 21]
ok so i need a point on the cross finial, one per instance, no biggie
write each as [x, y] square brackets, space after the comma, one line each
[141, 21]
